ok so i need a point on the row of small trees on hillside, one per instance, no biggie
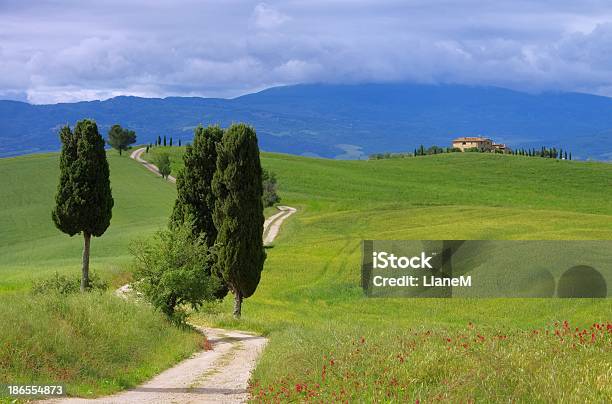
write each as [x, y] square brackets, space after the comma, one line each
[546, 152]
[420, 151]
[165, 142]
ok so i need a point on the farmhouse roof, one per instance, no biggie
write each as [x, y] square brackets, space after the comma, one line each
[471, 139]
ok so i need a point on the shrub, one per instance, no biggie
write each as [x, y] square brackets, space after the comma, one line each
[64, 285]
[173, 269]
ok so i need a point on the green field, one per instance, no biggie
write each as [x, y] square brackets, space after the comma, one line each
[309, 300]
[310, 303]
[31, 246]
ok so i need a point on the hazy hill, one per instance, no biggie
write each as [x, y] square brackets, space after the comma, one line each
[343, 121]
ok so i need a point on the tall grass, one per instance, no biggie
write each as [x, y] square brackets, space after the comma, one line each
[556, 363]
[93, 343]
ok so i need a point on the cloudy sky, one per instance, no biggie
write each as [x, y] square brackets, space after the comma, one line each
[68, 50]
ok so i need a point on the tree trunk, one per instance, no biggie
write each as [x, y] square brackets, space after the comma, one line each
[237, 304]
[85, 276]
[120, 151]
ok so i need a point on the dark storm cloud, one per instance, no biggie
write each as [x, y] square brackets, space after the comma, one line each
[71, 50]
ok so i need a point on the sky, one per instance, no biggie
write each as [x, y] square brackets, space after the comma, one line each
[72, 50]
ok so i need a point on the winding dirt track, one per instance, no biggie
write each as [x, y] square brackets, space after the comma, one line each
[219, 375]
[136, 155]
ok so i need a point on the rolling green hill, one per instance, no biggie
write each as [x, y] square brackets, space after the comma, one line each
[309, 299]
[31, 246]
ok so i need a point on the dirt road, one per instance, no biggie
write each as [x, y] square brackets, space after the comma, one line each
[219, 375]
[273, 223]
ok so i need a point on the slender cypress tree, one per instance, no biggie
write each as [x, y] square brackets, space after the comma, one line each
[179, 142]
[164, 140]
[158, 140]
[84, 201]
[170, 141]
[195, 200]
[238, 213]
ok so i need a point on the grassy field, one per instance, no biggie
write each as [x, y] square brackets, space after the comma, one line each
[93, 344]
[30, 245]
[310, 304]
[327, 340]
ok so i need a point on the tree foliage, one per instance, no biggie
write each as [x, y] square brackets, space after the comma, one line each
[84, 202]
[238, 213]
[163, 165]
[195, 199]
[173, 269]
[120, 139]
[270, 188]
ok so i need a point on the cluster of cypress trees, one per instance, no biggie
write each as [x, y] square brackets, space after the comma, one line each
[219, 192]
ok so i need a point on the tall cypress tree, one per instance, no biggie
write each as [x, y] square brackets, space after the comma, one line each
[238, 213]
[84, 201]
[195, 200]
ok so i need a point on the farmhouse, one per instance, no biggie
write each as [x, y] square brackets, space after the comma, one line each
[480, 143]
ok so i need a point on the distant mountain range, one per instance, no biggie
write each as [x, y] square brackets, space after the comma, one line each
[338, 121]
